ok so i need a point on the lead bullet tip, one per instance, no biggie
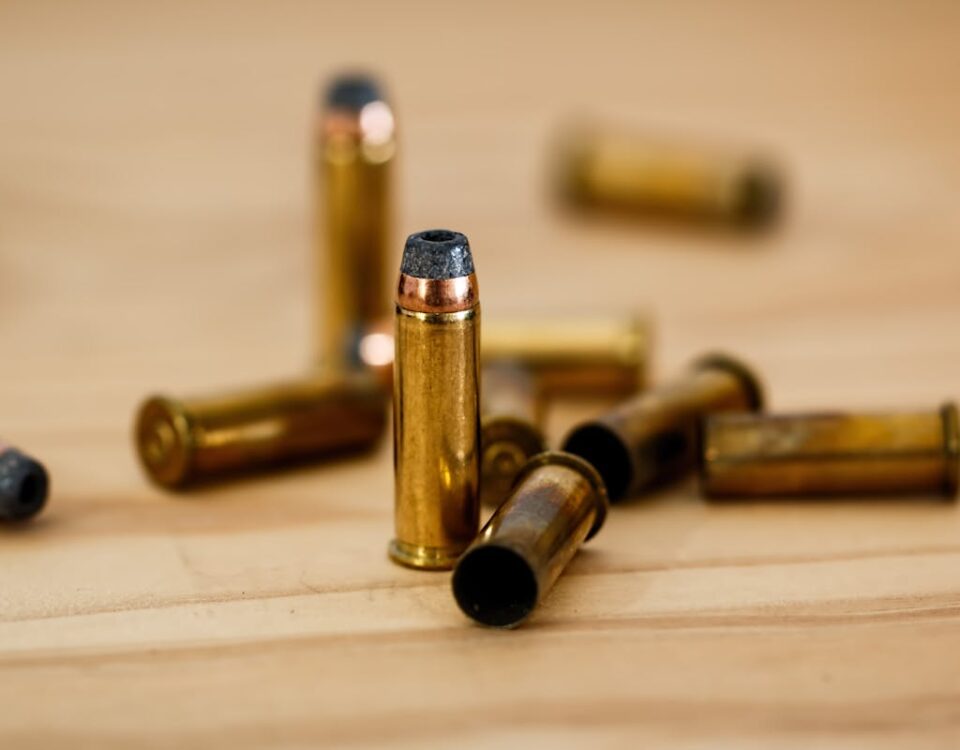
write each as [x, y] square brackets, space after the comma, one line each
[437, 254]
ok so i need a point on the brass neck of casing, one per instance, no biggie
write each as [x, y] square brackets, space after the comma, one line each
[832, 453]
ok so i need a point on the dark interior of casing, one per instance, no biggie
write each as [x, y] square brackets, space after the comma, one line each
[606, 452]
[758, 197]
[495, 586]
[31, 493]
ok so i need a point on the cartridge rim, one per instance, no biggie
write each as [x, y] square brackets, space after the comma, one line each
[420, 557]
[164, 441]
[752, 385]
[581, 466]
[951, 447]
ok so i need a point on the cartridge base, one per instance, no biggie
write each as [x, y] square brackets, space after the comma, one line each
[423, 558]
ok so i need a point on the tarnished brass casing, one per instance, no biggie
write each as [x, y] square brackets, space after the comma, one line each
[630, 173]
[558, 502]
[356, 146]
[184, 441]
[510, 428]
[831, 454]
[653, 437]
[585, 355]
[567, 355]
[436, 402]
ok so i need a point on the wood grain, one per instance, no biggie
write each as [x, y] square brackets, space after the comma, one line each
[154, 233]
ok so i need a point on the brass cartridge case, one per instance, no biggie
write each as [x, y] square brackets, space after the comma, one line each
[24, 484]
[653, 437]
[565, 355]
[354, 155]
[436, 402]
[601, 168]
[184, 441]
[831, 454]
[583, 355]
[510, 429]
[558, 502]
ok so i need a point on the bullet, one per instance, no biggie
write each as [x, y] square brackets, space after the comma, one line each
[356, 146]
[653, 437]
[583, 355]
[831, 453]
[510, 429]
[181, 442]
[436, 402]
[567, 356]
[600, 168]
[558, 503]
[24, 484]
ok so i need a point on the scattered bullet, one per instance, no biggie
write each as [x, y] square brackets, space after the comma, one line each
[653, 437]
[356, 147]
[436, 402]
[831, 453]
[181, 442]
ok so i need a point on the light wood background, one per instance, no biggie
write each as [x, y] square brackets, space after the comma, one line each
[154, 234]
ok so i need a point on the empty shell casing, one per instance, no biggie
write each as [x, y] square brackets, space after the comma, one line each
[631, 173]
[24, 485]
[436, 402]
[566, 356]
[356, 145]
[510, 428]
[183, 441]
[559, 502]
[831, 454]
[653, 437]
[583, 355]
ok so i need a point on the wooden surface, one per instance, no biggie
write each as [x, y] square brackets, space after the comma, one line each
[154, 234]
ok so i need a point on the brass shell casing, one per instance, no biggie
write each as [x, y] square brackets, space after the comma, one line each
[510, 429]
[185, 441]
[559, 501]
[436, 408]
[568, 356]
[752, 455]
[653, 437]
[354, 156]
[636, 174]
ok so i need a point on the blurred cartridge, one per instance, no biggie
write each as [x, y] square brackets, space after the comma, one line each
[356, 145]
[436, 402]
[831, 454]
[559, 502]
[628, 173]
[653, 437]
[184, 441]
[510, 428]
[24, 484]
[574, 355]
[586, 355]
